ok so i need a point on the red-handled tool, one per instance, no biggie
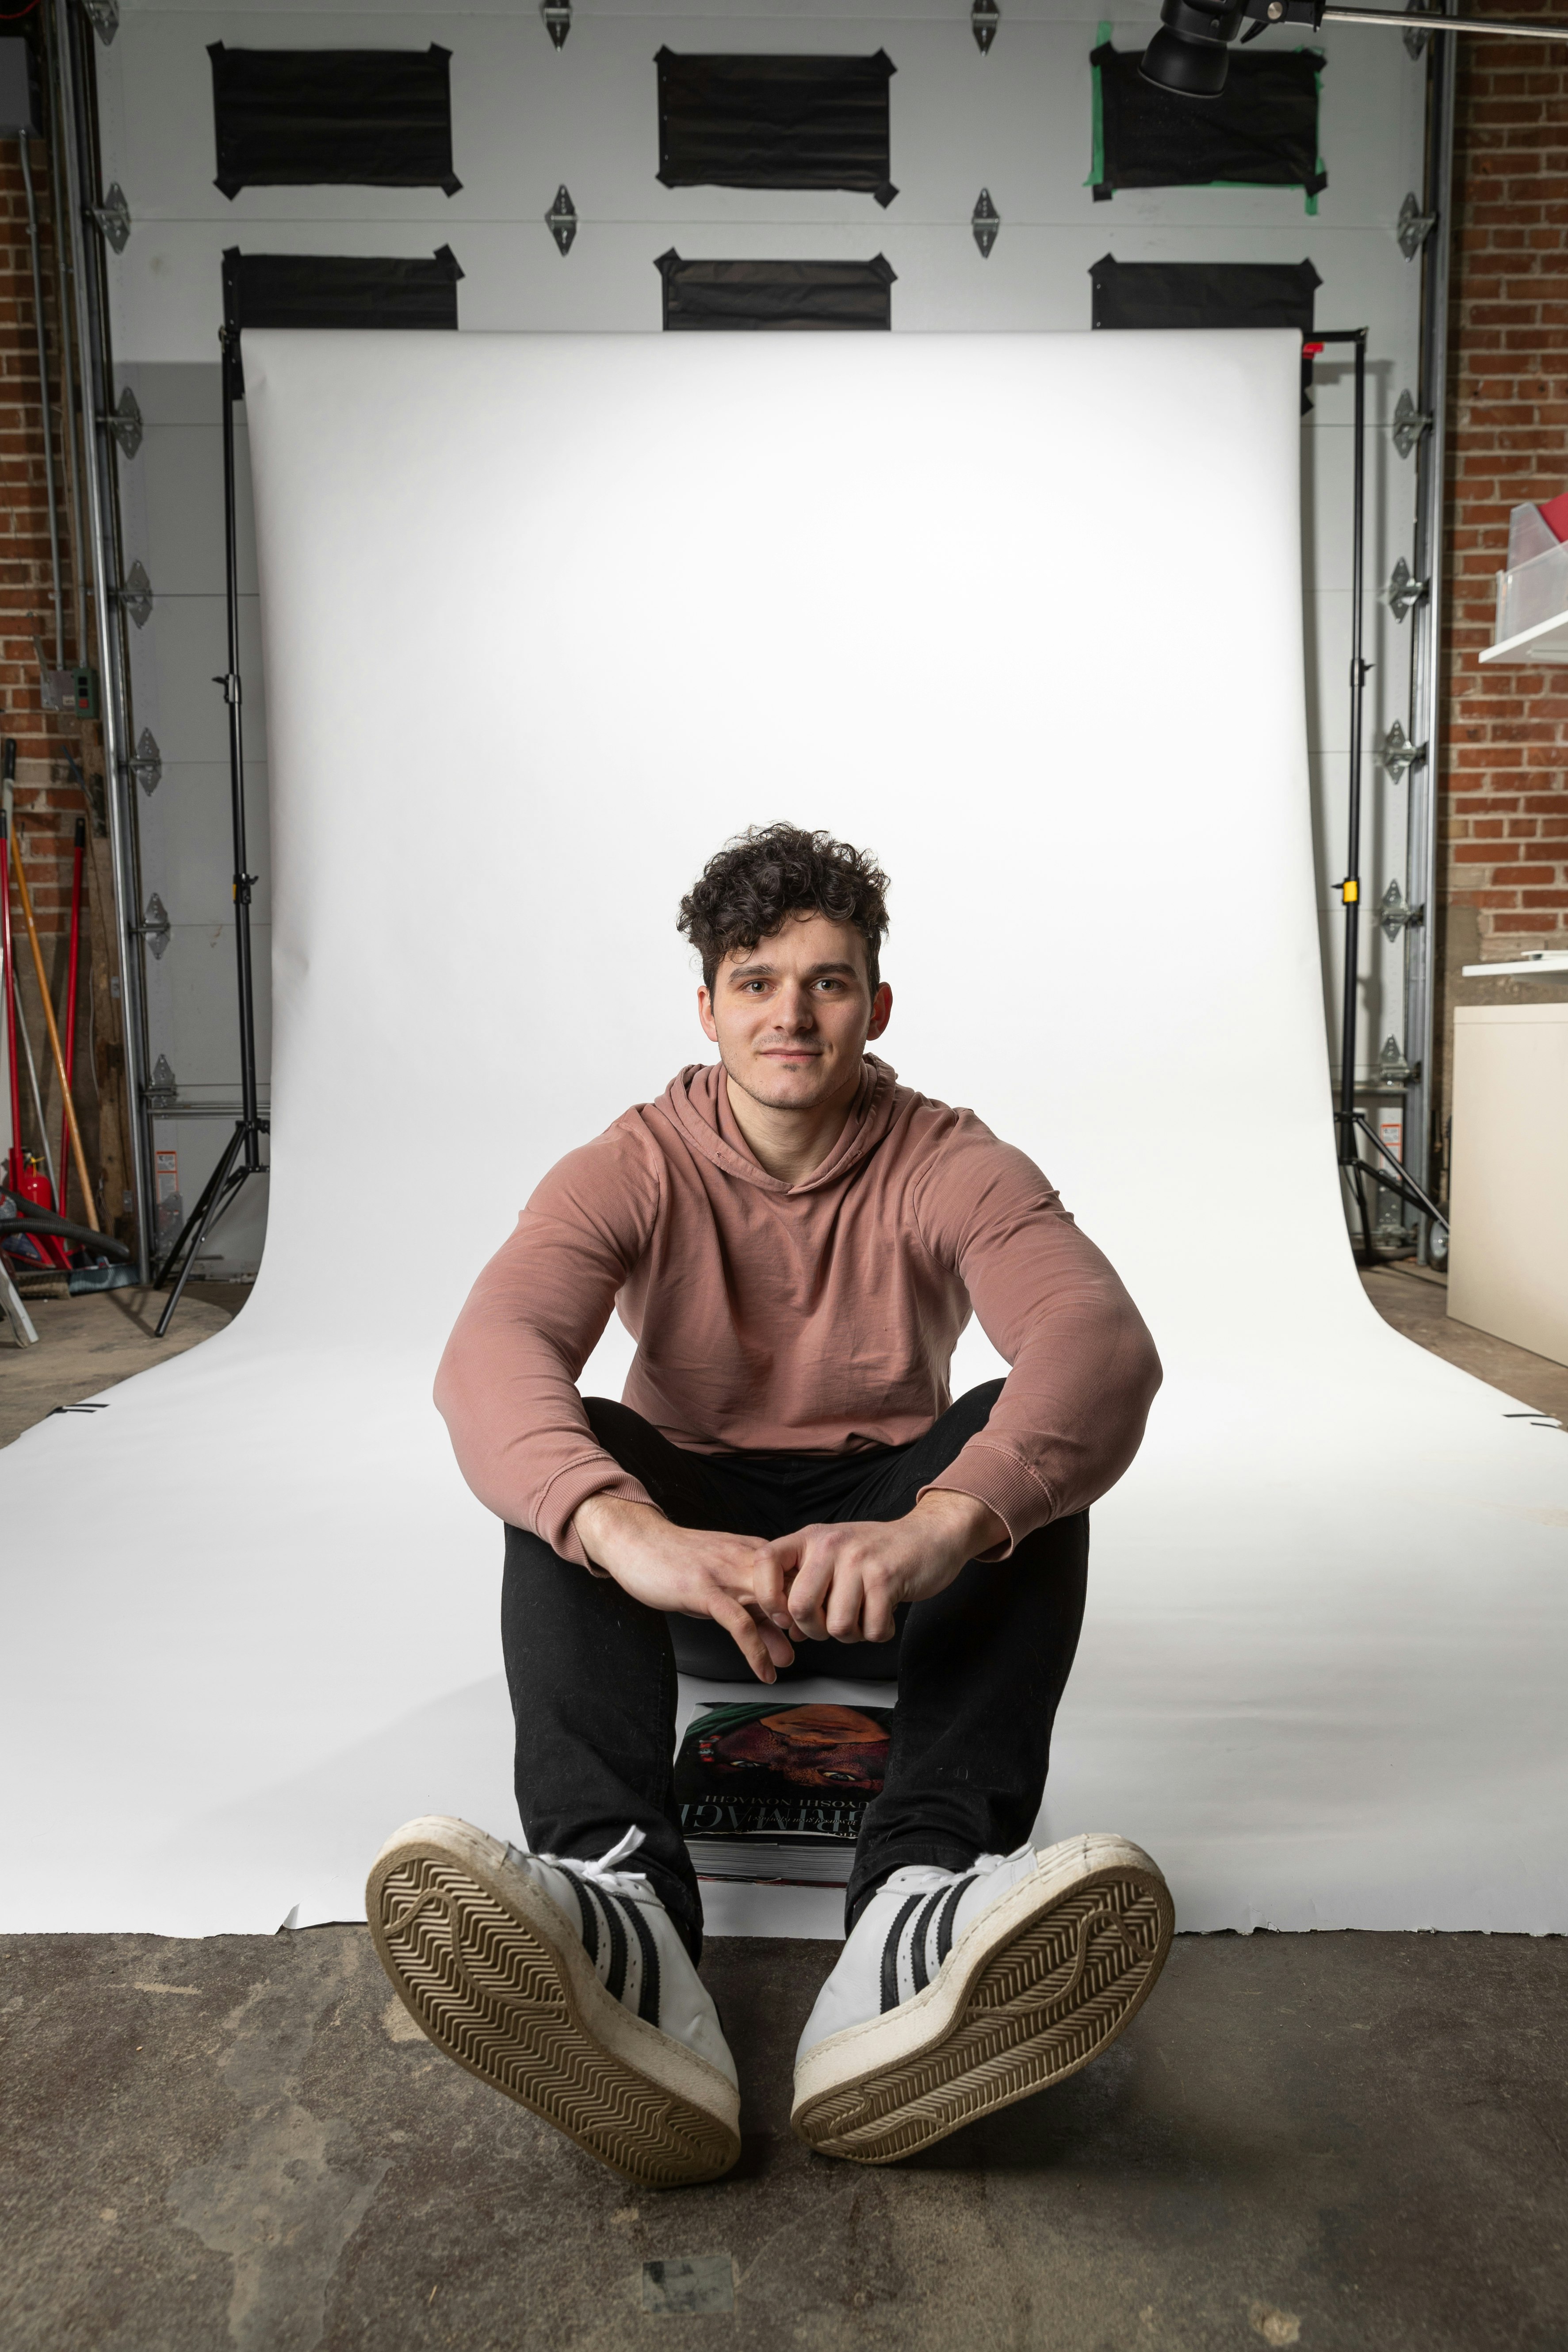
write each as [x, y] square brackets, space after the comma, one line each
[71, 962]
[7, 950]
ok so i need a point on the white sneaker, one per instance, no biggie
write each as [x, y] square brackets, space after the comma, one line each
[961, 1991]
[566, 1985]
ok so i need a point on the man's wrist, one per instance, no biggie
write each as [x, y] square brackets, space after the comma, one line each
[599, 1518]
[972, 1526]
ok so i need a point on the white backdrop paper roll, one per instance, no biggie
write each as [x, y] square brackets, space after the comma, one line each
[547, 618]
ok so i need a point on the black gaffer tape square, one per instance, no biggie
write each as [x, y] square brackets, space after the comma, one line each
[776, 296]
[339, 289]
[1203, 293]
[332, 118]
[1260, 132]
[775, 122]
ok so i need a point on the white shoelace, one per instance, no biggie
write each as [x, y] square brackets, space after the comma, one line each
[604, 1871]
[921, 1878]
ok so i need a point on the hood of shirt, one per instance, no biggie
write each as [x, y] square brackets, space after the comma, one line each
[696, 1103]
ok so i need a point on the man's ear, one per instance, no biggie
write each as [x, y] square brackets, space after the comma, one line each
[881, 1012]
[705, 1015]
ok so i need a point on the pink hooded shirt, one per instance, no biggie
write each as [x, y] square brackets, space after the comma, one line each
[812, 1318]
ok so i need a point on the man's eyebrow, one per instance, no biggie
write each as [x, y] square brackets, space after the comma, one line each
[767, 971]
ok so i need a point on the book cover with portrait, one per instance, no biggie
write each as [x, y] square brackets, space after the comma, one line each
[778, 1792]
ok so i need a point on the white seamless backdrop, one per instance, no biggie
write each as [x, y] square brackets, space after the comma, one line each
[547, 617]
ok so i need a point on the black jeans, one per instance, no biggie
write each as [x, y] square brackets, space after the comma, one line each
[980, 1668]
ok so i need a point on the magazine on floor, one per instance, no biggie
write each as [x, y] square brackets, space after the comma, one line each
[778, 1793]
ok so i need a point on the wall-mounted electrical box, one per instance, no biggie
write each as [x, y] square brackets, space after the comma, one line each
[73, 692]
[18, 90]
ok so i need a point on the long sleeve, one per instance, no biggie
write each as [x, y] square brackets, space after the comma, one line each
[507, 1382]
[1084, 1371]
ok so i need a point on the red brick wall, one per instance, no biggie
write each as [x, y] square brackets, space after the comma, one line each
[48, 800]
[1502, 853]
[46, 803]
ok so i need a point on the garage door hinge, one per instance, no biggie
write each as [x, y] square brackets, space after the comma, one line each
[561, 220]
[985, 221]
[112, 215]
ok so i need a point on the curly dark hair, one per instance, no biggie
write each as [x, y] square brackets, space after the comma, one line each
[748, 888]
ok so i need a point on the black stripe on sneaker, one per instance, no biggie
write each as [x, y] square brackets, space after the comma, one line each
[615, 1983]
[590, 1918]
[890, 1953]
[950, 1902]
[918, 1934]
[647, 1992]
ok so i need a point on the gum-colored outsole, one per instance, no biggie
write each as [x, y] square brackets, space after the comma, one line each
[491, 1987]
[1050, 1999]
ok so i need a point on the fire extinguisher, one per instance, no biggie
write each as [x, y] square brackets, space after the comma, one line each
[34, 1186]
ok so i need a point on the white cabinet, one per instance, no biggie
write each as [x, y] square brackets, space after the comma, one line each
[1508, 1270]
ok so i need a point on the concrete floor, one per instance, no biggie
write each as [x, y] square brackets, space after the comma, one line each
[1351, 2142]
[1355, 2143]
[88, 1344]
[1416, 1302]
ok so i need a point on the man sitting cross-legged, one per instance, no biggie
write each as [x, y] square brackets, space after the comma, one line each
[795, 1241]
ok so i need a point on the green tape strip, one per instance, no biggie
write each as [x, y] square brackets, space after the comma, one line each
[1103, 33]
[1096, 156]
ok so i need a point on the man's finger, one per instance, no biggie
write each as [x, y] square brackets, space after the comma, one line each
[775, 1639]
[749, 1638]
[812, 1584]
[877, 1612]
[845, 1603]
[775, 1563]
[780, 1648]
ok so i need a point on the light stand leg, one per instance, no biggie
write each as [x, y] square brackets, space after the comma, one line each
[198, 1216]
[203, 1218]
[244, 882]
[228, 1177]
[1400, 1180]
[1357, 1175]
[1351, 1124]
[1349, 889]
[21, 1322]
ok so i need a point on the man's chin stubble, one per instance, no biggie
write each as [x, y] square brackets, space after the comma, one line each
[764, 1086]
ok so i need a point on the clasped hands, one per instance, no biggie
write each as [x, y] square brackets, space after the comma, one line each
[827, 1582]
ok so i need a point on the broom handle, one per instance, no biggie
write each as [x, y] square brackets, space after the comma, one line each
[14, 1169]
[78, 1154]
[72, 962]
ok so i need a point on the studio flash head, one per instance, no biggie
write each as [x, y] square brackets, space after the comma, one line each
[1189, 54]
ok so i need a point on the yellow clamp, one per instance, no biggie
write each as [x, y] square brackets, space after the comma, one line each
[1350, 892]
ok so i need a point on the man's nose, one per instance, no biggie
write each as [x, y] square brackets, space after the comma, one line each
[795, 1010]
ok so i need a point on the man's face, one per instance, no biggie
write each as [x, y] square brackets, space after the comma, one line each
[792, 1015]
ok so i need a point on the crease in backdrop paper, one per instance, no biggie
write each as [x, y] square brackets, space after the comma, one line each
[1322, 1668]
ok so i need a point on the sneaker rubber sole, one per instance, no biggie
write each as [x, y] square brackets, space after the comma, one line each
[1037, 1984]
[499, 1980]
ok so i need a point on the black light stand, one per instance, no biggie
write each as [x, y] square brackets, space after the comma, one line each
[242, 1156]
[1351, 1124]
